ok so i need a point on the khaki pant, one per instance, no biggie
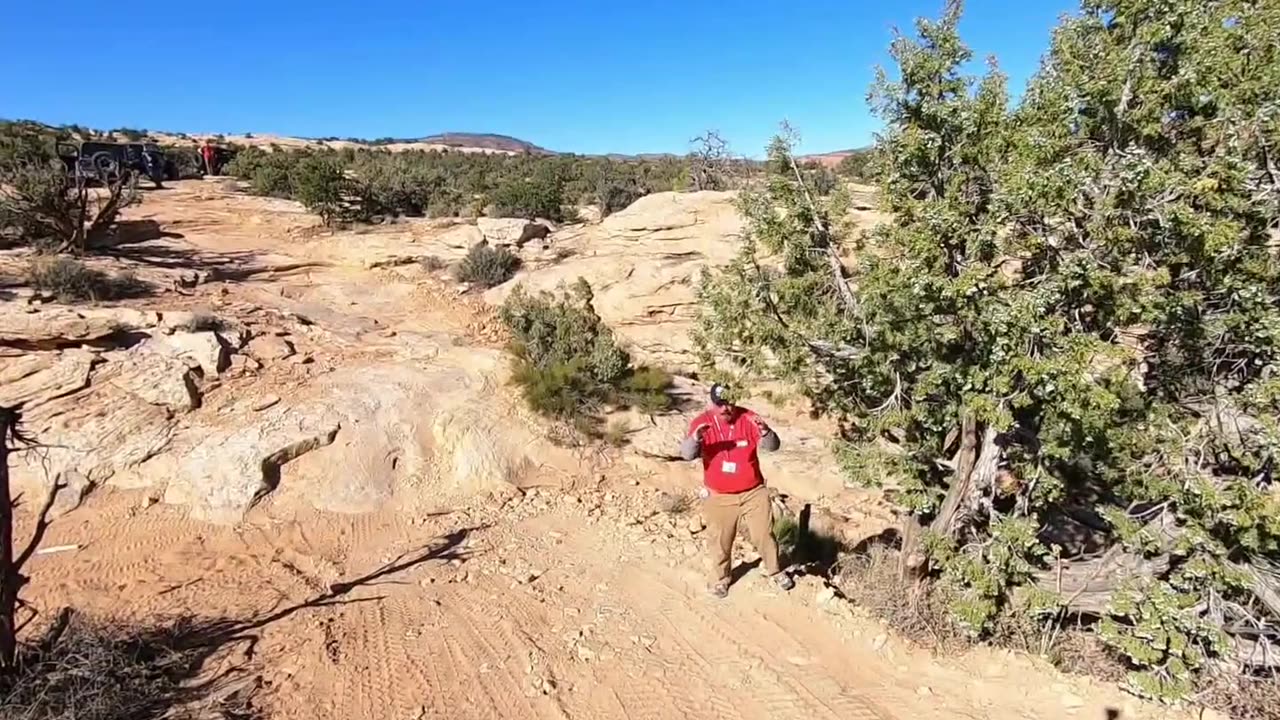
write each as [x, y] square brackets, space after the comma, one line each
[723, 513]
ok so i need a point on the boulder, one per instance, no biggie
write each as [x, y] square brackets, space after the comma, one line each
[209, 351]
[223, 474]
[502, 231]
[98, 433]
[158, 379]
[405, 435]
[57, 326]
[267, 348]
[461, 237]
[405, 425]
[39, 377]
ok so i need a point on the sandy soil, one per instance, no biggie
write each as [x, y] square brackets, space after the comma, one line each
[582, 602]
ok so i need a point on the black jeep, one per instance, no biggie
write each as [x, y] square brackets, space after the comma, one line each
[107, 161]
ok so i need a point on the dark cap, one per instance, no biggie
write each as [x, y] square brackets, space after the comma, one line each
[719, 395]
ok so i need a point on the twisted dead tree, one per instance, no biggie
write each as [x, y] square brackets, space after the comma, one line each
[12, 580]
[56, 214]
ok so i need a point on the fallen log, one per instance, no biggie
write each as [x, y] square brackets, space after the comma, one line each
[1086, 586]
[1255, 654]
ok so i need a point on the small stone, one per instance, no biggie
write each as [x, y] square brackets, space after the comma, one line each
[825, 595]
[584, 653]
[689, 549]
[270, 347]
[924, 691]
[696, 525]
[878, 641]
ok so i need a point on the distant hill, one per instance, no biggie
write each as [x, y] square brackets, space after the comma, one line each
[485, 141]
[832, 159]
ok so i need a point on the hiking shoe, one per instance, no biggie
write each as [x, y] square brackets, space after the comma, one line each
[784, 581]
[720, 589]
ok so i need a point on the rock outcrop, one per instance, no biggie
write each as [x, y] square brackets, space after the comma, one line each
[419, 429]
[643, 264]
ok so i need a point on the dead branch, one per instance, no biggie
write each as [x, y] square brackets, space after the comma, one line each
[1266, 589]
[1089, 584]
[823, 233]
[1255, 653]
[960, 490]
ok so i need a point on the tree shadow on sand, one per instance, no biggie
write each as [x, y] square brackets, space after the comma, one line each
[92, 669]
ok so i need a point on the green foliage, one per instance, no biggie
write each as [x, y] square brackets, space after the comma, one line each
[320, 183]
[541, 197]
[855, 166]
[1159, 630]
[486, 266]
[439, 183]
[568, 363]
[1087, 278]
[26, 142]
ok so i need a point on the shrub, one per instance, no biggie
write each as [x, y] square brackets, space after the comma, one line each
[486, 266]
[432, 263]
[94, 670]
[568, 363]
[678, 503]
[39, 208]
[613, 196]
[71, 281]
[615, 433]
[271, 180]
[529, 199]
[319, 184]
[645, 388]
[185, 162]
[856, 165]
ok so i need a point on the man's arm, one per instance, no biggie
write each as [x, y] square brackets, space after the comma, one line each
[769, 440]
[691, 447]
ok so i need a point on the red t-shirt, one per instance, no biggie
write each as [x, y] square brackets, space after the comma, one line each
[730, 463]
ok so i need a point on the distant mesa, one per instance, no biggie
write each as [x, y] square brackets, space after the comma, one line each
[486, 141]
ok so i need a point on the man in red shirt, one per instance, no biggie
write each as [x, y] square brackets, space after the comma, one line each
[209, 155]
[727, 437]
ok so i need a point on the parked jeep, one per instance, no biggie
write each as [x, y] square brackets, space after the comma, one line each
[108, 161]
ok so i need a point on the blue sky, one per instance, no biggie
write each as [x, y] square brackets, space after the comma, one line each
[582, 76]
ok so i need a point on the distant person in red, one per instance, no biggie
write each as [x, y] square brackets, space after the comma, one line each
[727, 437]
[210, 157]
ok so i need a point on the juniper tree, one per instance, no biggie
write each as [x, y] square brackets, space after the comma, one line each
[1070, 321]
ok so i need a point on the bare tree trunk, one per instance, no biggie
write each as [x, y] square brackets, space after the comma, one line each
[10, 579]
[976, 465]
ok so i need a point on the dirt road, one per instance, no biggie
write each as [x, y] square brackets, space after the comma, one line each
[582, 602]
